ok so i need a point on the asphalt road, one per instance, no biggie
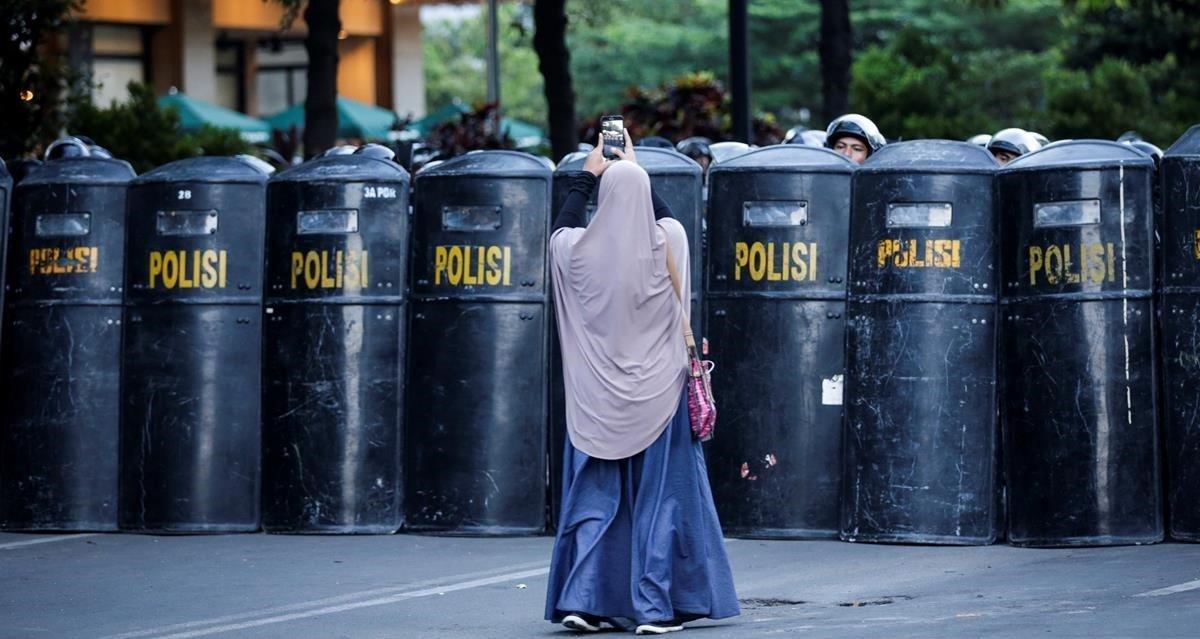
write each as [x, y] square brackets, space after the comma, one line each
[402, 586]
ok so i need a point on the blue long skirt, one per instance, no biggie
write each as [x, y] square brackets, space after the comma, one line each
[638, 539]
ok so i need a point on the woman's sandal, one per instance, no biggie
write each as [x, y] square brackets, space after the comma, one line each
[580, 622]
[659, 628]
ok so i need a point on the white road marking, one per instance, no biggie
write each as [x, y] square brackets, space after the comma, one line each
[339, 603]
[43, 540]
[1170, 590]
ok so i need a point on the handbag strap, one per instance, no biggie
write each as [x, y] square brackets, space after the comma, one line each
[688, 338]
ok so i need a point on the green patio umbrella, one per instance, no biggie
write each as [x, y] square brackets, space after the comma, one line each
[523, 133]
[355, 119]
[194, 114]
[426, 124]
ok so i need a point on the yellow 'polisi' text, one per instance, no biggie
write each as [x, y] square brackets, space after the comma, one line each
[918, 254]
[472, 265]
[1056, 263]
[68, 261]
[775, 261]
[329, 269]
[188, 269]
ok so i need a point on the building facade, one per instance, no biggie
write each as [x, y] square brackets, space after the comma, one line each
[235, 54]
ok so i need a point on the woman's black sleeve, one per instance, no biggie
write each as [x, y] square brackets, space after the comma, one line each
[661, 208]
[573, 213]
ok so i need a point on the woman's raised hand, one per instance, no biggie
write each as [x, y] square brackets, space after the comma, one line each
[596, 163]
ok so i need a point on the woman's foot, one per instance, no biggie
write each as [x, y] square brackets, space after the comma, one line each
[659, 628]
[580, 622]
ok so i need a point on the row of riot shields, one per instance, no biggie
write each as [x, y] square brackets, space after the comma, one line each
[897, 345]
[998, 329]
[201, 349]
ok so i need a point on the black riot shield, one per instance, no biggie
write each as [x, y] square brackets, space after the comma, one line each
[920, 448]
[190, 428]
[332, 346]
[476, 408]
[677, 179]
[776, 302]
[6, 187]
[1077, 345]
[1180, 237]
[62, 345]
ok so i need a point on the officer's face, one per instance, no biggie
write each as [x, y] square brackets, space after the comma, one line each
[1004, 157]
[852, 148]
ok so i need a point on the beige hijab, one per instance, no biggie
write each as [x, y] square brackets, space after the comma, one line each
[619, 321]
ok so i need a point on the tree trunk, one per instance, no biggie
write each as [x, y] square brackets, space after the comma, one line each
[320, 103]
[739, 71]
[835, 48]
[554, 61]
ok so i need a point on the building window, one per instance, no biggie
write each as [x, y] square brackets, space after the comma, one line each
[281, 78]
[230, 64]
[118, 57]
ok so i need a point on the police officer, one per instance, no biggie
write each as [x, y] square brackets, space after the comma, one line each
[854, 136]
[696, 147]
[1010, 144]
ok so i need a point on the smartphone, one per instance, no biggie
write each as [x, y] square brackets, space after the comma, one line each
[612, 128]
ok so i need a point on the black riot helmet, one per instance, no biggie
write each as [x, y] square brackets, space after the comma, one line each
[793, 134]
[725, 151]
[1015, 141]
[804, 135]
[341, 149]
[656, 141]
[423, 155]
[258, 163]
[813, 138]
[67, 147]
[1146, 147]
[980, 139]
[377, 151]
[856, 126]
[94, 150]
[573, 156]
[695, 147]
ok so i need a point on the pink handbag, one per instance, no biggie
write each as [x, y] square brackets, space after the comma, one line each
[702, 407]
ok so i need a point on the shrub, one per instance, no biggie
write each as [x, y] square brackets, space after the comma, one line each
[148, 135]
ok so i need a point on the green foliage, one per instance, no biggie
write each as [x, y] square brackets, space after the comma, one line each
[147, 135]
[1107, 75]
[692, 104]
[945, 68]
[914, 88]
[33, 77]
[644, 44]
[472, 131]
[455, 67]
[1117, 96]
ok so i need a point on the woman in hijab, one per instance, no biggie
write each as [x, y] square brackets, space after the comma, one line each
[639, 545]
